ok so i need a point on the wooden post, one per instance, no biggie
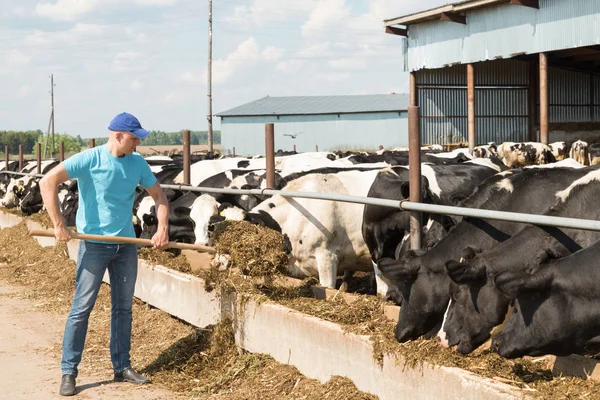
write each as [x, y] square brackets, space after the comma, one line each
[471, 107]
[61, 151]
[20, 157]
[414, 174]
[38, 150]
[234, 151]
[92, 143]
[270, 154]
[317, 148]
[186, 158]
[294, 148]
[6, 157]
[544, 105]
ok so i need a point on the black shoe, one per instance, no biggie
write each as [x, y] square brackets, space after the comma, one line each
[129, 375]
[67, 386]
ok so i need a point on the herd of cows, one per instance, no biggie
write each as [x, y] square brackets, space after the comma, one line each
[532, 289]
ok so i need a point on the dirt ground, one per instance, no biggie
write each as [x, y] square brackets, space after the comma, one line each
[30, 357]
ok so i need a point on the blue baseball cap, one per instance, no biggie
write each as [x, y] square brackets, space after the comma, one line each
[126, 122]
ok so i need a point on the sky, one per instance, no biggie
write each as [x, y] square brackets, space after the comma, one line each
[149, 57]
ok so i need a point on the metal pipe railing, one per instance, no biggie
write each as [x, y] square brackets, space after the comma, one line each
[22, 173]
[535, 219]
[560, 222]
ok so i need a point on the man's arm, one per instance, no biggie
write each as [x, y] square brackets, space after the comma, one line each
[161, 237]
[49, 190]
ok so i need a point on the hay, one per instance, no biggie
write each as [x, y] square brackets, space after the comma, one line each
[255, 250]
[165, 258]
[199, 363]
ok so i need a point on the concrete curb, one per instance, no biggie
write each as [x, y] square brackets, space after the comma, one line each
[318, 348]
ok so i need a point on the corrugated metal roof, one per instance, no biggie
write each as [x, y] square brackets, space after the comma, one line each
[435, 13]
[314, 105]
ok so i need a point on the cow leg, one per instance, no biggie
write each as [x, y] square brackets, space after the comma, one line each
[327, 263]
[347, 277]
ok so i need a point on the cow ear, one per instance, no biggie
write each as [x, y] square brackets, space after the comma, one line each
[469, 252]
[514, 283]
[397, 270]
[464, 273]
[405, 190]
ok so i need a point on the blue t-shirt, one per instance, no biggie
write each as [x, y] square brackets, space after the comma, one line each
[106, 190]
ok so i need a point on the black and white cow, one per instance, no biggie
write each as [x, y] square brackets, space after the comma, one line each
[579, 152]
[18, 187]
[594, 153]
[324, 236]
[526, 153]
[557, 307]
[421, 275]
[559, 150]
[384, 228]
[486, 151]
[477, 306]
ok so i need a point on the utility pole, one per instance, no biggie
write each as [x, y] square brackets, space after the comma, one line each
[209, 75]
[52, 112]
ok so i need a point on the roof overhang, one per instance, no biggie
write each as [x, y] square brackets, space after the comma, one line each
[436, 14]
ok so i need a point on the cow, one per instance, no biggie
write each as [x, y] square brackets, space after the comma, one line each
[594, 154]
[486, 151]
[557, 307]
[384, 228]
[421, 275]
[476, 306]
[16, 189]
[4, 177]
[579, 152]
[559, 150]
[323, 237]
[527, 153]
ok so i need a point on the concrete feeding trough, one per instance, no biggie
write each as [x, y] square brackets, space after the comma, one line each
[318, 348]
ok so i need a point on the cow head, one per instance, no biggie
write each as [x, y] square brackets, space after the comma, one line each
[424, 295]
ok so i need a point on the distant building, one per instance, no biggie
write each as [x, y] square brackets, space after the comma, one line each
[530, 67]
[329, 122]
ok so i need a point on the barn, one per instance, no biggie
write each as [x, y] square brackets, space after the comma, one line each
[504, 70]
[326, 123]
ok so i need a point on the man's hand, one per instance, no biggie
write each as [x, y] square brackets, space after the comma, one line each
[62, 234]
[160, 239]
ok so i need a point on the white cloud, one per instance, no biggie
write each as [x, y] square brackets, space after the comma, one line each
[272, 53]
[347, 64]
[136, 85]
[23, 91]
[138, 37]
[65, 10]
[263, 12]
[71, 10]
[77, 34]
[327, 14]
[290, 66]
[245, 54]
[16, 59]
[129, 61]
[193, 77]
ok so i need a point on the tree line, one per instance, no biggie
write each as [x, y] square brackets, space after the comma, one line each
[74, 144]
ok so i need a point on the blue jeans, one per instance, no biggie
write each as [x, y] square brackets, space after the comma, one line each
[92, 261]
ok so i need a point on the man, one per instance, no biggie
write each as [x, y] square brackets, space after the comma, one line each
[107, 178]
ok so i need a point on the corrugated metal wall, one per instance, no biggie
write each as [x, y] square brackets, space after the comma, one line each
[330, 132]
[501, 101]
[501, 89]
[502, 31]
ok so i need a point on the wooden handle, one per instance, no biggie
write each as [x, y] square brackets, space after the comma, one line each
[127, 240]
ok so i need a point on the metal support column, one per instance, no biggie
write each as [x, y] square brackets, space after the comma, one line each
[471, 107]
[544, 105]
[270, 154]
